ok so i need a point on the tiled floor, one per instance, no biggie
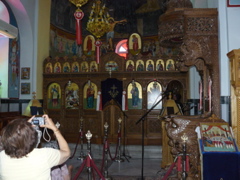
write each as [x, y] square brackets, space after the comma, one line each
[134, 167]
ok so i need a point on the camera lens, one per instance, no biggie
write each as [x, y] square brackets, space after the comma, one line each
[35, 122]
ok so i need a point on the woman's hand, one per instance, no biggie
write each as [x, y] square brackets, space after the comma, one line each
[30, 120]
[49, 123]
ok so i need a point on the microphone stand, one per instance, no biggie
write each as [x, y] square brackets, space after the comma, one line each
[142, 119]
[124, 130]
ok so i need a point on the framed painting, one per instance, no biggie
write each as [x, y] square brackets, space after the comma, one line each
[154, 95]
[66, 67]
[25, 88]
[25, 73]
[72, 96]
[49, 68]
[57, 67]
[217, 137]
[93, 66]
[88, 45]
[150, 65]
[75, 67]
[54, 96]
[90, 95]
[130, 65]
[160, 65]
[134, 91]
[233, 3]
[140, 65]
[84, 66]
[170, 65]
[135, 44]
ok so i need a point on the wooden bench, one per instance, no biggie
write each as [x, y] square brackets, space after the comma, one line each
[6, 117]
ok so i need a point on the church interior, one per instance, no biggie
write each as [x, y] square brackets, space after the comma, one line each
[147, 74]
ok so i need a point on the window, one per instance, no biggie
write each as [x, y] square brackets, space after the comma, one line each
[122, 48]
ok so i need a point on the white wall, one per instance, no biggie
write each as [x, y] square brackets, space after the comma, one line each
[4, 44]
[25, 13]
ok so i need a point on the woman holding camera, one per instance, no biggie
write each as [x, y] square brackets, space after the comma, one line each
[21, 160]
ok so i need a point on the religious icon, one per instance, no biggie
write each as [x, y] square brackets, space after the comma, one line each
[88, 45]
[135, 44]
[170, 65]
[66, 67]
[160, 65]
[84, 67]
[93, 66]
[75, 67]
[154, 90]
[57, 67]
[90, 95]
[25, 73]
[140, 65]
[48, 68]
[25, 88]
[217, 137]
[130, 65]
[54, 96]
[71, 96]
[134, 95]
[150, 65]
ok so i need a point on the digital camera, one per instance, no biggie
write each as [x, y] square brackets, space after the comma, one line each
[38, 121]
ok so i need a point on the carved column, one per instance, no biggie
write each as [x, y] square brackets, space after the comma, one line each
[195, 33]
[234, 57]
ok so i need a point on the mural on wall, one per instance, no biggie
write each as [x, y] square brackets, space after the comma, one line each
[71, 96]
[140, 16]
[54, 96]
[154, 92]
[134, 91]
[14, 60]
[63, 44]
[89, 95]
[13, 90]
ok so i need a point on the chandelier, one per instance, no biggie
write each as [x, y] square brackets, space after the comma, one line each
[78, 3]
[78, 16]
[98, 23]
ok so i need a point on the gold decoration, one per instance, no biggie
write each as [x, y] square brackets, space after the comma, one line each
[98, 23]
[120, 120]
[184, 137]
[78, 3]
